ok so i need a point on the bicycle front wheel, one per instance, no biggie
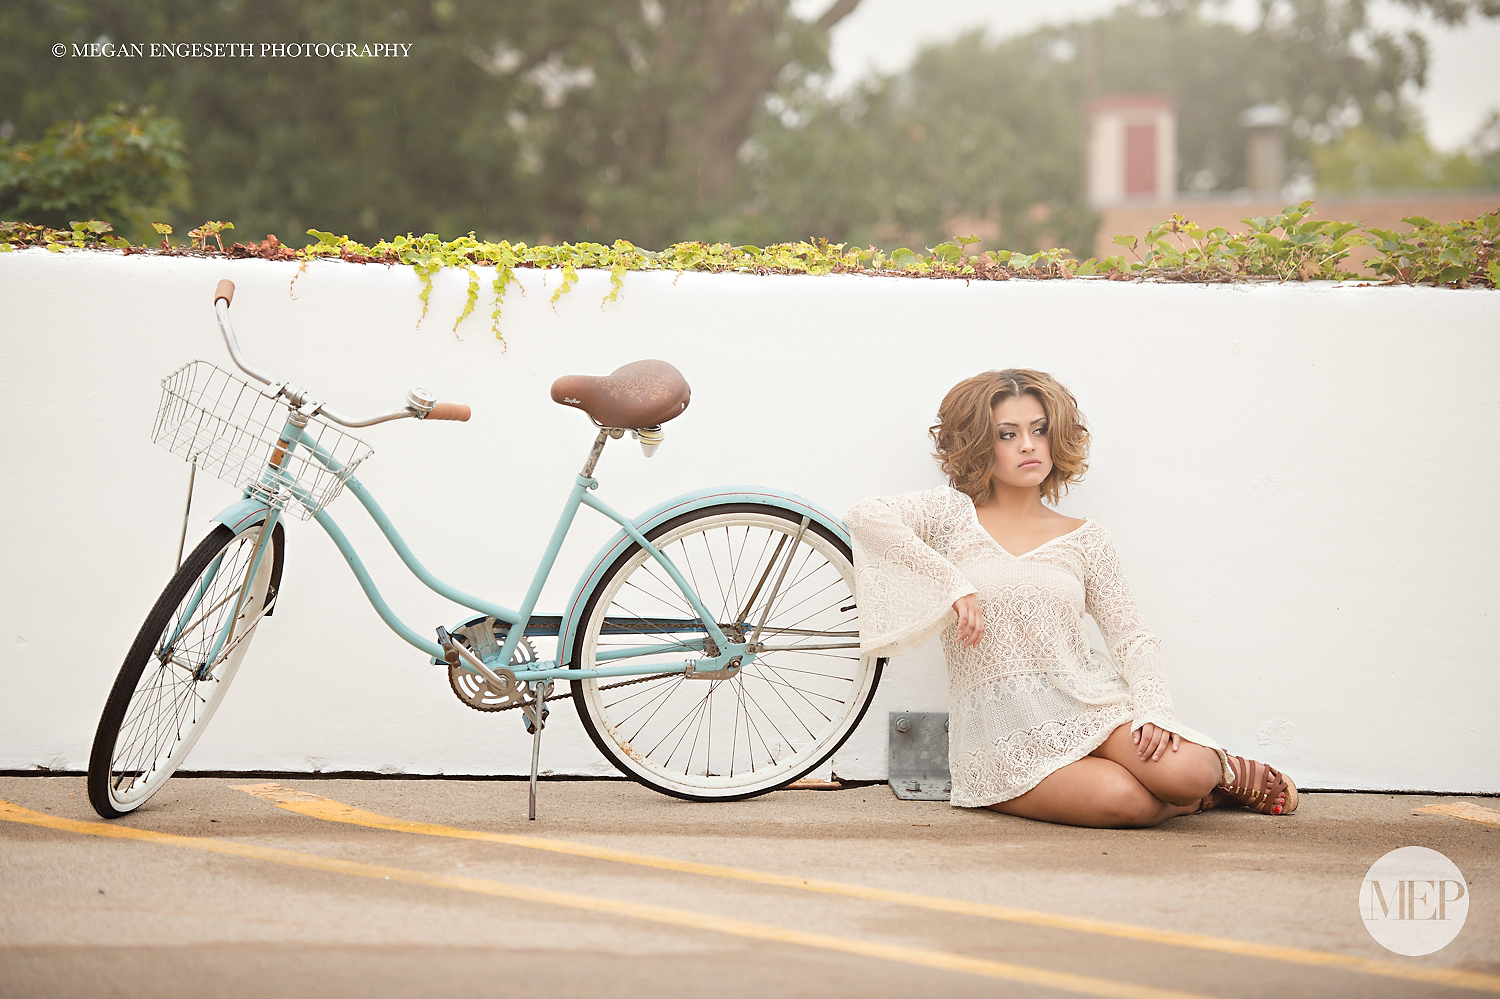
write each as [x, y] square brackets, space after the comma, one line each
[180, 665]
[784, 712]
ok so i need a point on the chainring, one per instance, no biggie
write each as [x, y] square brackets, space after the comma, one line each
[485, 639]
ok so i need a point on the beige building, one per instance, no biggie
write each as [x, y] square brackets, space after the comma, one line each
[1131, 163]
[1130, 153]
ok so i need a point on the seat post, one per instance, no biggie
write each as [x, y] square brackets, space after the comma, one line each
[598, 449]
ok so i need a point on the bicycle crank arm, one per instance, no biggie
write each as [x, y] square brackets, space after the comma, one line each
[502, 679]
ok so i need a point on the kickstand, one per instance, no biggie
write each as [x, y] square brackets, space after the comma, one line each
[536, 717]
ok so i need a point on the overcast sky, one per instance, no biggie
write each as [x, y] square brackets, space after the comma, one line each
[1463, 83]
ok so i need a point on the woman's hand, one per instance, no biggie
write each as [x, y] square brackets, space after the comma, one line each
[970, 620]
[1151, 741]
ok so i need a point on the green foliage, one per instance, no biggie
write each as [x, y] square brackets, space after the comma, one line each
[577, 121]
[122, 164]
[90, 235]
[1284, 247]
[986, 134]
[201, 235]
[1363, 160]
[973, 135]
[1459, 254]
[1485, 151]
[560, 120]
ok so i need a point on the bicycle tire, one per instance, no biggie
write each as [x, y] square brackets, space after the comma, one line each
[800, 706]
[157, 708]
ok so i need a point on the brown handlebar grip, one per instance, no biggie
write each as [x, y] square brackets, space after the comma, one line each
[225, 290]
[450, 411]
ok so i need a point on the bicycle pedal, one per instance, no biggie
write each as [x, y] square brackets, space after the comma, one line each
[526, 718]
[539, 694]
[445, 640]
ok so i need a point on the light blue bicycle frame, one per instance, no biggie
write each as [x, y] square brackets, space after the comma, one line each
[276, 481]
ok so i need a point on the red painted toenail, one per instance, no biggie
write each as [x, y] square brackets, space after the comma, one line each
[1278, 809]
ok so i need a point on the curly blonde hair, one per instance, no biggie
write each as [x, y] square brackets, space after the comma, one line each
[965, 431]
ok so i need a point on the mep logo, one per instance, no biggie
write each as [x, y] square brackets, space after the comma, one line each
[1414, 901]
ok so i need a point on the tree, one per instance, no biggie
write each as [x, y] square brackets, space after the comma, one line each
[120, 166]
[660, 120]
[1362, 160]
[978, 129]
[570, 119]
[1485, 151]
[970, 129]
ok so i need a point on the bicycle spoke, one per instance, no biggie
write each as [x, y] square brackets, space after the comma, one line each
[791, 607]
[644, 691]
[778, 714]
[708, 717]
[655, 703]
[148, 730]
[806, 672]
[673, 596]
[692, 569]
[684, 723]
[751, 701]
[790, 710]
[734, 731]
[801, 692]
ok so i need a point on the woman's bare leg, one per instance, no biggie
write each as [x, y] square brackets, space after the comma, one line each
[1097, 792]
[1184, 777]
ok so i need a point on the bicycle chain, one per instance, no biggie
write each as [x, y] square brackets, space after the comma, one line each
[611, 686]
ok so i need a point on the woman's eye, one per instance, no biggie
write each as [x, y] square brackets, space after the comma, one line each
[1006, 435]
[1040, 431]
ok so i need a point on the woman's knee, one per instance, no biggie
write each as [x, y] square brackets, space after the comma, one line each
[1125, 803]
[1204, 775]
[1189, 777]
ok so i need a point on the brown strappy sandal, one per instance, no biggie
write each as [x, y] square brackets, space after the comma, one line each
[1215, 798]
[1260, 787]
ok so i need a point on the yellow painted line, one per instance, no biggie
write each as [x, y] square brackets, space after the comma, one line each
[318, 807]
[683, 918]
[1463, 810]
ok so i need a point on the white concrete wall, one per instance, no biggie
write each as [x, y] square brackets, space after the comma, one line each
[1302, 481]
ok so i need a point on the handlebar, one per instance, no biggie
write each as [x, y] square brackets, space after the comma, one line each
[419, 404]
[450, 411]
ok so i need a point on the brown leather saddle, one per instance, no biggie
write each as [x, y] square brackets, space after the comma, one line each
[640, 394]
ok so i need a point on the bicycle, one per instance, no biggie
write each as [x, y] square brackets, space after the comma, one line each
[711, 647]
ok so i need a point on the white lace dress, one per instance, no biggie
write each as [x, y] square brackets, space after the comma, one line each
[1032, 697]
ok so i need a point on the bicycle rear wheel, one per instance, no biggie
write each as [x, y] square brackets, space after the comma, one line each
[162, 700]
[785, 711]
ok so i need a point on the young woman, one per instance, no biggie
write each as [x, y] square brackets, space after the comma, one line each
[1040, 724]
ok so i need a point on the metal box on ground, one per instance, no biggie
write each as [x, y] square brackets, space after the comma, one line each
[918, 757]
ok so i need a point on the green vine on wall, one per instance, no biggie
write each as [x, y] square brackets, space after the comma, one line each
[1285, 247]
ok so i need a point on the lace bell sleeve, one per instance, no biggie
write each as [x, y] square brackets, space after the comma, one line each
[905, 588]
[1134, 650]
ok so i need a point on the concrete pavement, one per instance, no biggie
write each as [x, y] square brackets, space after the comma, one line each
[381, 888]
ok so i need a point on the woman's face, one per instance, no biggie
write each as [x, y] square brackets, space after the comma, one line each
[1023, 456]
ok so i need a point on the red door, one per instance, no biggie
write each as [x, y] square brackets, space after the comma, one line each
[1140, 159]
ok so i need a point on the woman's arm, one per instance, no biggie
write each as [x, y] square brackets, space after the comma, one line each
[906, 589]
[1134, 650]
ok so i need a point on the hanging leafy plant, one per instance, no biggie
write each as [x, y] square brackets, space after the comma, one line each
[1289, 246]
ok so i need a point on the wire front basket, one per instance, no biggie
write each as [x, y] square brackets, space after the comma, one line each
[234, 431]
